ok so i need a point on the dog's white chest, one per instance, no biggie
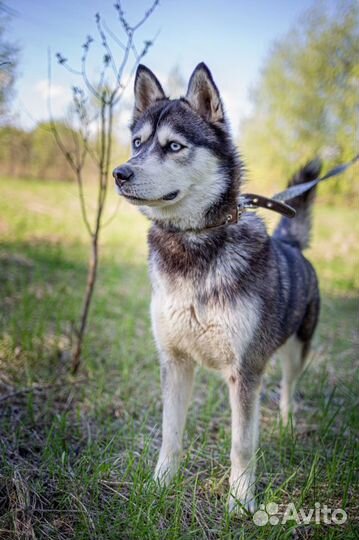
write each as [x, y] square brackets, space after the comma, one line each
[212, 334]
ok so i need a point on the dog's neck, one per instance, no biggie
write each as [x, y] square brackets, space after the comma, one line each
[207, 217]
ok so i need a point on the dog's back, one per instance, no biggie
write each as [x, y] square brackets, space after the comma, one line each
[290, 238]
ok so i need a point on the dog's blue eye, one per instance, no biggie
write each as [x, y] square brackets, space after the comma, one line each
[175, 146]
[137, 142]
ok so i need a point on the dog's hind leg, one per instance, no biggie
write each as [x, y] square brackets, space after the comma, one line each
[244, 399]
[177, 381]
[292, 355]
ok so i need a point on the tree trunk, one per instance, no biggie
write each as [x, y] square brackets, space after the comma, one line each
[91, 280]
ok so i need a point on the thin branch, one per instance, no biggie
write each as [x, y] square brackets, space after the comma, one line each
[147, 14]
[143, 53]
[63, 62]
[119, 43]
[90, 87]
[109, 58]
[76, 146]
[113, 35]
[130, 33]
[66, 153]
[112, 216]
[125, 59]
[107, 157]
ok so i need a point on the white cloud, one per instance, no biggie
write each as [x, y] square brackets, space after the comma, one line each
[56, 90]
[60, 96]
[31, 105]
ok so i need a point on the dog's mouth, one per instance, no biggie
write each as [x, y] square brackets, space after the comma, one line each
[168, 197]
[171, 196]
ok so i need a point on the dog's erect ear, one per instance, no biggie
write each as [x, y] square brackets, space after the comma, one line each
[203, 95]
[147, 90]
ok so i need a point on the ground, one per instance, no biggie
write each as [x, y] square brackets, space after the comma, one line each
[77, 453]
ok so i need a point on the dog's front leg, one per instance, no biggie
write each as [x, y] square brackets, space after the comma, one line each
[177, 381]
[244, 399]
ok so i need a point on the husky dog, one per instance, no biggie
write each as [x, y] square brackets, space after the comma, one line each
[224, 296]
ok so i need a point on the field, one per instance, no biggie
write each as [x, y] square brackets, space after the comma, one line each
[77, 453]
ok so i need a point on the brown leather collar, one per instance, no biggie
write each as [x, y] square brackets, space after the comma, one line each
[246, 201]
[253, 201]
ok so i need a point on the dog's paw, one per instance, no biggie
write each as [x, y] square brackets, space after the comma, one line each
[165, 470]
[287, 419]
[287, 413]
[242, 492]
[242, 507]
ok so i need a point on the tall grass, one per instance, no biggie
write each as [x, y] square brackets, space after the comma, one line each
[78, 453]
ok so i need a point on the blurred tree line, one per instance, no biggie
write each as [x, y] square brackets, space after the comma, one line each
[306, 102]
[35, 153]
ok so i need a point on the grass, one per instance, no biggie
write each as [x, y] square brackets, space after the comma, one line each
[77, 453]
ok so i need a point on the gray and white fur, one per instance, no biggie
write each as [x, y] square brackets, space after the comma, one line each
[226, 297]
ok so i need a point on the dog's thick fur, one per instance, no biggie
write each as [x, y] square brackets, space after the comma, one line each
[228, 297]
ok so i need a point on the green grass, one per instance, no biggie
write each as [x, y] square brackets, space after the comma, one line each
[77, 453]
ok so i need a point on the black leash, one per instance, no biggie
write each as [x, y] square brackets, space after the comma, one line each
[278, 203]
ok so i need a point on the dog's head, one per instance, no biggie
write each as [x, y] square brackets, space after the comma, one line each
[183, 162]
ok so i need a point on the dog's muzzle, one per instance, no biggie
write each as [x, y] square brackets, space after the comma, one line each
[122, 174]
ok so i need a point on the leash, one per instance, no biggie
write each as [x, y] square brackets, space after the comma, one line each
[294, 191]
[278, 203]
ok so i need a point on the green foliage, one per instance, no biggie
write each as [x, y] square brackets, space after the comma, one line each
[35, 154]
[47, 160]
[9, 53]
[15, 151]
[306, 102]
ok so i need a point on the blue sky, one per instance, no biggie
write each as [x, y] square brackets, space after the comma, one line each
[232, 37]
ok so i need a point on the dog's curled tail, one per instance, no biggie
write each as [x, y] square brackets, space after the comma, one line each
[296, 231]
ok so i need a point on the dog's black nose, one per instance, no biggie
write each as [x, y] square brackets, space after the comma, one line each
[122, 174]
